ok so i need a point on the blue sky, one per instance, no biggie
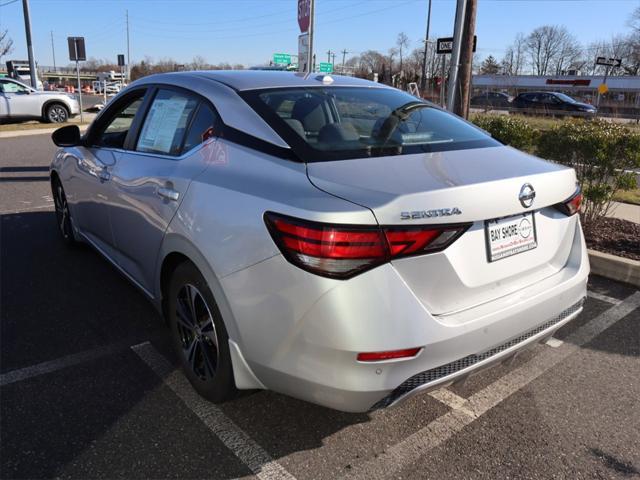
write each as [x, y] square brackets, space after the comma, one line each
[250, 31]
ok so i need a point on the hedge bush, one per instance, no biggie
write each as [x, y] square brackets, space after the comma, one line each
[508, 130]
[602, 153]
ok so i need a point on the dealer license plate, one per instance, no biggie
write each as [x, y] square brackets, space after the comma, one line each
[509, 236]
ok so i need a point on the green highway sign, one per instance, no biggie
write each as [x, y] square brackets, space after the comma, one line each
[326, 67]
[281, 58]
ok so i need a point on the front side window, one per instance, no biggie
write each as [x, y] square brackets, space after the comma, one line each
[12, 87]
[335, 123]
[115, 129]
[165, 126]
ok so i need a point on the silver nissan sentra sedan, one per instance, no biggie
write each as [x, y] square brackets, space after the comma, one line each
[326, 237]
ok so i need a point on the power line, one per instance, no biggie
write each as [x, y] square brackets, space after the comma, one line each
[8, 3]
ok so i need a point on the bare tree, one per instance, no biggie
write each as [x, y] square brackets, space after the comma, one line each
[392, 53]
[402, 42]
[626, 48]
[514, 58]
[569, 53]
[198, 63]
[544, 45]
[634, 21]
[6, 44]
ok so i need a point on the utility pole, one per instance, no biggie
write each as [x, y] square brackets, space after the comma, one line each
[461, 103]
[53, 51]
[311, 58]
[423, 81]
[606, 74]
[329, 52]
[27, 29]
[442, 81]
[333, 59]
[128, 51]
[455, 54]
[344, 54]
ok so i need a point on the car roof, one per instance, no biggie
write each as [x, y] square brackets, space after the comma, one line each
[259, 79]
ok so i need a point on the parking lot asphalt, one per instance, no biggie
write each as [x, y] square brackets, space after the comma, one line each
[89, 388]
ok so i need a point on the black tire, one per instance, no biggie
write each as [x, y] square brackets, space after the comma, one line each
[56, 113]
[63, 214]
[203, 347]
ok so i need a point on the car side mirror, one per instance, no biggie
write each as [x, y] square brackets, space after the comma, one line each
[68, 136]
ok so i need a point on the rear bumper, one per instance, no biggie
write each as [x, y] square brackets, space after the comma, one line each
[300, 334]
[462, 368]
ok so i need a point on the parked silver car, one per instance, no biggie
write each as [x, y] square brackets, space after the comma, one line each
[326, 237]
[21, 102]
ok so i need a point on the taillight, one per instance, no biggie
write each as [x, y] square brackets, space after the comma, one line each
[572, 205]
[389, 355]
[340, 251]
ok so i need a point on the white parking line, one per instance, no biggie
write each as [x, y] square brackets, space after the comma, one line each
[603, 298]
[58, 364]
[452, 400]
[554, 342]
[25, 210]
[445, 427]
[234, 438]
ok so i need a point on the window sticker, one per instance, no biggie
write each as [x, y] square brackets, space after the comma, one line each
[161, 125]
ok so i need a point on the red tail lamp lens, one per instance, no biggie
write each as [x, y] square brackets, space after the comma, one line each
[340, 251]
[390, 355]
[572, 205]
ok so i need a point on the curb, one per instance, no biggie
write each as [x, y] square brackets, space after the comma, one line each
[35, 131]
[615, 268]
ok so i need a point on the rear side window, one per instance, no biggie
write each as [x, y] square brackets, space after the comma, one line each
[202, 127]
[165, 125]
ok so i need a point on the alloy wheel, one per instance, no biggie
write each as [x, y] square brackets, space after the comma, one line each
[57, 114]
[62, 212]
[197, 332]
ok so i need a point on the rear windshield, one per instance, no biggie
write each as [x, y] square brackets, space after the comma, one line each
[336, 123]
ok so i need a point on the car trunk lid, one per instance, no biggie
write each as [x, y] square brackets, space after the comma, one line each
[463, 186]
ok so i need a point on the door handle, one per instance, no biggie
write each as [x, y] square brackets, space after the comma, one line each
[168, 193]
[104, 176]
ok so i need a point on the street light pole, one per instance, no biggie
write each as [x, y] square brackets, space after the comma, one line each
[27, 29]
[53, 51]
[128, 52]
[423, 81]
[310, 56]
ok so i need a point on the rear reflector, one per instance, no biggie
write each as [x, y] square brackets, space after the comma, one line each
[572, 205]
[390, 355]
[340, 251]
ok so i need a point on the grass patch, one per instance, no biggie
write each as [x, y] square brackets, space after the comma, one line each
[629, 196]
[35, 125]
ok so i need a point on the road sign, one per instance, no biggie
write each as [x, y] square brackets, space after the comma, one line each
[303, 51]
[326, 67]
[281, 58]
[304, 15]
[609, 62]
[445, 45]
[602, 88]
[77, 52]
[121, 60]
